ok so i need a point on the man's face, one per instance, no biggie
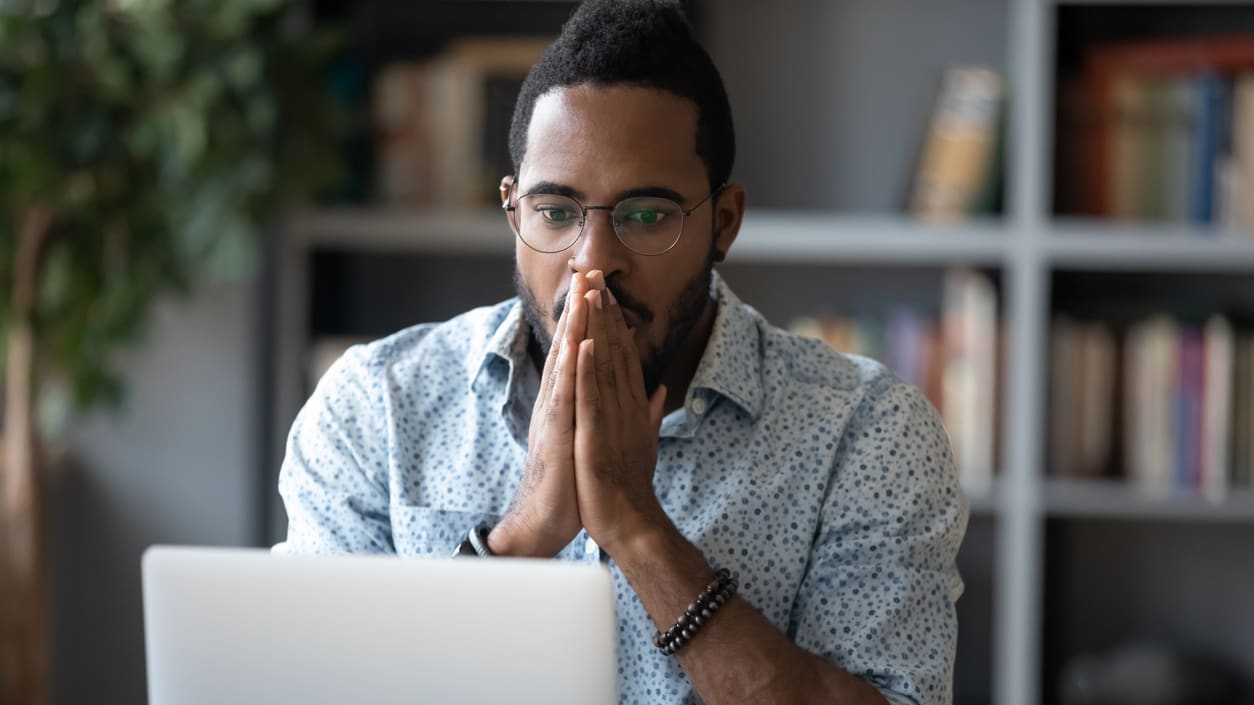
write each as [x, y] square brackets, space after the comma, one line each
[599, 145]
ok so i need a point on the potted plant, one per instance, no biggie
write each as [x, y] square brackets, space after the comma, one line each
[142, 144]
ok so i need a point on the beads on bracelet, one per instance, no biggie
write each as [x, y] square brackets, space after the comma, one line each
[698, 614]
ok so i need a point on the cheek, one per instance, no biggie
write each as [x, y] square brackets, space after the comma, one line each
[544, 276]
[662, 293]
[645, 343]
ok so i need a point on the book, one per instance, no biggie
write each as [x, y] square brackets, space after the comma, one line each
[1192, 361]
[1229, 188]
[1243, 152]
[1082, 393]
[1175, 130]
[1146, 77]
[405, 165]
[442, 124]
[1152, 373]
[1096, 411]
[1242, 472]
[1131, 144]
[1216, 407]
[969, 320]
[1210, 91]
[1064, 425]
[960, 152]
[1239, 439]
[905, 340]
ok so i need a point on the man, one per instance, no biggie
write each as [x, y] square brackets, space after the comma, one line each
[626, 407]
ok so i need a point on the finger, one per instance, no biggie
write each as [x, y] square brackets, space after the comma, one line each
[598, 331]
[616, 333]
[554, 348]
[560, 410]
[657, 408]
[588, 414]
[576, 316]
[576, 298]
[631, 356]
[596, 280]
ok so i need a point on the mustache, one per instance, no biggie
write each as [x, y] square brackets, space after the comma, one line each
[625, 300]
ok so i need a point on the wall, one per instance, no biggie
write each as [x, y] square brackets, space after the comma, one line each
[176, 466]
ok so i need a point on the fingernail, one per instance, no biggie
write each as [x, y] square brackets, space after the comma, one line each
[613, 300]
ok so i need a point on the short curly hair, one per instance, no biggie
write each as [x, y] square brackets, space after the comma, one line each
[639, 42]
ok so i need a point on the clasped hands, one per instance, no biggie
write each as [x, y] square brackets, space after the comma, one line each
[592, 443]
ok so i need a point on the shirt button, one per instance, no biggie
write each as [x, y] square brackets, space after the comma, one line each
[698, 406]
[590, 547]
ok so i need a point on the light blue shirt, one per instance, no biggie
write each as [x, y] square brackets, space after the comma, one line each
[823, 480]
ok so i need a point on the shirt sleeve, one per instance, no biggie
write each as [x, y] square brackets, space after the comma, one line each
[333, 480]
[878, 597]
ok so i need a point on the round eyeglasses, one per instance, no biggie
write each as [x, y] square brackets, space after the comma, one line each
[646, 225]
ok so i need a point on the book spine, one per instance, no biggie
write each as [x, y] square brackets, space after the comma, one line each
[961, 145]
[1204, 150]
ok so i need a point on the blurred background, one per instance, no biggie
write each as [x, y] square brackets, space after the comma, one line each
[1039, 211]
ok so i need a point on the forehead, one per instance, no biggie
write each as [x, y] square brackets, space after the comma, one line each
[606, 138]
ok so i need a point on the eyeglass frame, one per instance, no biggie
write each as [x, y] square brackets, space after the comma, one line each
[583, 218]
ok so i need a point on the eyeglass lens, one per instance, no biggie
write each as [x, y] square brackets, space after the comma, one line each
[645, 225]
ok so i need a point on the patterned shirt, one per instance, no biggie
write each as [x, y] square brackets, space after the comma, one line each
[823, 480]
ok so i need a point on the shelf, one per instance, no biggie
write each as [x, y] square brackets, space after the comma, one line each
[766, 236]
[984, 503]
[790, 236]
[482, 232]
[1106, 499]
[1105, 247]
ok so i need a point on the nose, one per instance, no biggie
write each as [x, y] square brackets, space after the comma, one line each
[599, 247]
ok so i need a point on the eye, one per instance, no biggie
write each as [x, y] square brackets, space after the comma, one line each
[645, 216]
[556, 215]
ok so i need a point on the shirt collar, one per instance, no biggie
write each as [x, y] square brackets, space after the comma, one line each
[732, 362]
[731, 365]
[507, 343]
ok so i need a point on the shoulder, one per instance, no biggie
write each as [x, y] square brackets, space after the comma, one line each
[860, 388]
[807, 361]
[426, 348]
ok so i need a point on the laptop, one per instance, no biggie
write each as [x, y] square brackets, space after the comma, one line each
[245, 627]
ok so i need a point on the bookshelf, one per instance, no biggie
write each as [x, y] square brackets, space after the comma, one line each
[826, 188]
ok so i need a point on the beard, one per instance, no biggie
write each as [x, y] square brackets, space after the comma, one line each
[682, 316]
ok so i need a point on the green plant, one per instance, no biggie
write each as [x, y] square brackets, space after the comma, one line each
[144, 144]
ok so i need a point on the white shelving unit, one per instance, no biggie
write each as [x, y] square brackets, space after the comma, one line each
[1026, 247]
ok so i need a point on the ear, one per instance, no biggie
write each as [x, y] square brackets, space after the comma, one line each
[729, 212]
[507, 185]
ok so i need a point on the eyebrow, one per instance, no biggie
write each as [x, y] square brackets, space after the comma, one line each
[558, 189]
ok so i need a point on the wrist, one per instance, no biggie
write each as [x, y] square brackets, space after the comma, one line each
[644, 540]
[515, 539]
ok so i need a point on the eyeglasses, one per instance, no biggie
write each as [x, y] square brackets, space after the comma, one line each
[646, 225]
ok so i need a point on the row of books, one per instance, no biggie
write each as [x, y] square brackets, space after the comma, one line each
[1168, 405]
[1161, 131]
[442, 125]
[441, 128]
[952, 357]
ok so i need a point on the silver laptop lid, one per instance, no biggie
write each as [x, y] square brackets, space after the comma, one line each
[244, 627]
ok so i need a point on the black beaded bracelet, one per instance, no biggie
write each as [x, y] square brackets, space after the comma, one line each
[701, 611]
